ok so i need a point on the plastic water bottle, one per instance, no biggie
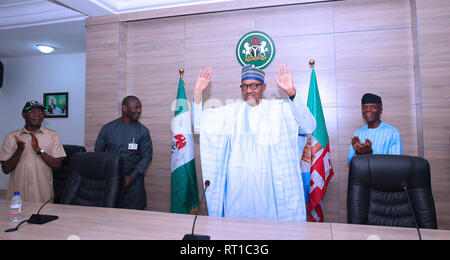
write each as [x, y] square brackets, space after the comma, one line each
[15, 213]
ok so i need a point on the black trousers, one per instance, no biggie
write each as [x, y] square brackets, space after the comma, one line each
[135, 197]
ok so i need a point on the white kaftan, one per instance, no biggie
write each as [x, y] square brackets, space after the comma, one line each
[251, 157]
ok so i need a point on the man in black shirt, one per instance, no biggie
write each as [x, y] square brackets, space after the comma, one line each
[130, 139]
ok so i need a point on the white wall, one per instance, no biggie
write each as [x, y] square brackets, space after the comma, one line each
[28, 78]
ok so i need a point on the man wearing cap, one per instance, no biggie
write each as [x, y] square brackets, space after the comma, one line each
[29, 155]
[376, 137]
[249, 150]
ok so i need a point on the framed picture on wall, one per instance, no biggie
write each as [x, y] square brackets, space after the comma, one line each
[57, 104]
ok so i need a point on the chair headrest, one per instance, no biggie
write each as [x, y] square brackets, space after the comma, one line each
[70, 150]
[390, 172]
[96, 165]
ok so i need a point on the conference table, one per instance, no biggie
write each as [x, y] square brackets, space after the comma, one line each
[97, 223]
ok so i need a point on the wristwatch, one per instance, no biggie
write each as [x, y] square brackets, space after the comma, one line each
[40, 152]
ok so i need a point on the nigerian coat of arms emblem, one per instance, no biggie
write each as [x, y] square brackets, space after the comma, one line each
[255, 48]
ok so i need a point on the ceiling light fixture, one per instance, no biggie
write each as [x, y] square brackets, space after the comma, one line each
[45, 48]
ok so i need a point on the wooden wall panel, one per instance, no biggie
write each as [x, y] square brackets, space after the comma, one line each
[432, 10]
[396, 49]
[148, 63]
[102, 63]
[94, 121]
[433, 33]
[441, 195]
[437, 124]
[437, 155]
[217, 27]
[361, 15]
[157, 34]
[332, 202]
[395, 85]
[295, 20]
[296, 51]
[211, 54]
[435, 82]
[122, 73]
[102, 74]
[102, 36]
[381, 48]
[101, 94]
[434, 41]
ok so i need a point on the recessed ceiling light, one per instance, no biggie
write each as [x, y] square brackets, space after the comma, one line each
[45, 48]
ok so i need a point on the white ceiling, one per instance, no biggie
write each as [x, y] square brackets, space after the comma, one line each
[60, 23]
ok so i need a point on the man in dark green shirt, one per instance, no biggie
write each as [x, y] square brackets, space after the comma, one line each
[130, 139]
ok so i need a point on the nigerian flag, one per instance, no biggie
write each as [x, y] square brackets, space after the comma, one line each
[183, 195]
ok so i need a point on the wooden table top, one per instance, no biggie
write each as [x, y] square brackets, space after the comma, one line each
[94, 223]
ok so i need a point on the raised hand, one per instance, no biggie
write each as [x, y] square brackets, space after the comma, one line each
[51, 161]
[34, 142]
[11, 164]
[20, 143]
[284, 80]
[202, 83]
[203, 80]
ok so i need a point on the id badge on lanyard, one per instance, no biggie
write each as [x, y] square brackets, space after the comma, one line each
[132, 146]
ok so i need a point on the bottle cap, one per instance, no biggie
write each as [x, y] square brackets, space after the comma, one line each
[16, 193]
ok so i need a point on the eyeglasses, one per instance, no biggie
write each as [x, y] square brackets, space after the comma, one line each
[252, 86]
[36, 112]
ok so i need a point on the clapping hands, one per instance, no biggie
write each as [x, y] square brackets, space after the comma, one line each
[362, 148]
[20, 143]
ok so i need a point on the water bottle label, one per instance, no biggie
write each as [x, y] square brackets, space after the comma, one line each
[15, 212]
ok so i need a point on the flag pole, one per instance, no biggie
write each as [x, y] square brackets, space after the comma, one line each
[311, 62]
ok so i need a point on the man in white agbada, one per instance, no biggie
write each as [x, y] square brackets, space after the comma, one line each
[249, 150]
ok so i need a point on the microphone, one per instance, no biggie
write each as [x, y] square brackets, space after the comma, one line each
[42, 219]
[193, 236]
[17, 227]
[405, 188]
[36, 218]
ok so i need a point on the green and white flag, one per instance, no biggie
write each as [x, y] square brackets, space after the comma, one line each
[184, 194]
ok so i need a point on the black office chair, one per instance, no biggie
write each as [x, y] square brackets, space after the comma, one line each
[95, 179]
[60, 175]
[376, 194]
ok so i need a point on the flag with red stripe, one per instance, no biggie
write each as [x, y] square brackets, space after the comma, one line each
[321, 169]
